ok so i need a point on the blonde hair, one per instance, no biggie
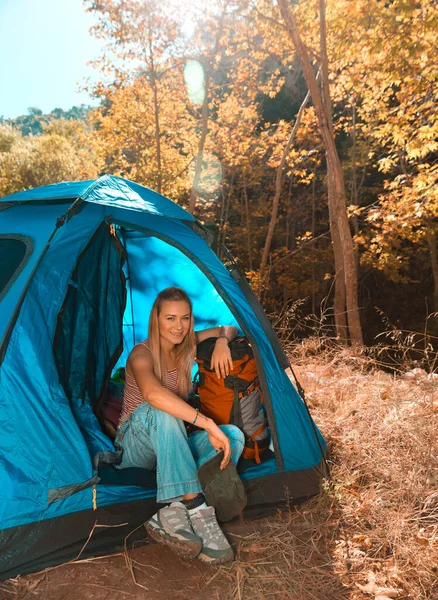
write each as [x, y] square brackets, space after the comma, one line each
[184, 352]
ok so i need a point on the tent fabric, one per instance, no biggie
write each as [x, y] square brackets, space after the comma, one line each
[14, 254]
[119, 192]
[67, 190]
[38, 229]
[50, 434]
[144, 284]
[87, 339]
[40, 437]
[185, 238]
[108, 190]
[60, 539]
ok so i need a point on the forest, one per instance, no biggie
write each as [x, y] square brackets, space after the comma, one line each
[304, 136]
[306, 139]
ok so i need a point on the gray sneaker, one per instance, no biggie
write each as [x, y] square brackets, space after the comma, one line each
[171, 526]
[215, 546]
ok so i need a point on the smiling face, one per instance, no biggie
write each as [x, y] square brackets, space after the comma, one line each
[173, 322]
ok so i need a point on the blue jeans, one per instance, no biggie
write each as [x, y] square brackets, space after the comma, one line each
[153, 439]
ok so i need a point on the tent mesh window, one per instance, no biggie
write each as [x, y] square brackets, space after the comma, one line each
[15, 250]
[88, 337]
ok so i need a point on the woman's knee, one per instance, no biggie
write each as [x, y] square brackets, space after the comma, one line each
[234, 434]
[142, 412]
[166, 422]
[147, 413]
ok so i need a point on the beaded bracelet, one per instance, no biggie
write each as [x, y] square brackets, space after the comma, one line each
[197, 413]
[224, 336]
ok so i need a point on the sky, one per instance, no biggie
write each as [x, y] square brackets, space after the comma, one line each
[44, 49]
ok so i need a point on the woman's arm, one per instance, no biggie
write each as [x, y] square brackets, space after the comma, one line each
[140, 363]
[221, 360]
[229, 332]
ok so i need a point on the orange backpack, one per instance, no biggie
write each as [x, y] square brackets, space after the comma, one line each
[237, 399]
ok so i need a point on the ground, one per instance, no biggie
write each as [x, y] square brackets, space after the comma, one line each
[372, 533]
[266, 556]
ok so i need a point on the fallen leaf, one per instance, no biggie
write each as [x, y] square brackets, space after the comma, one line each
[379, 593]
[370, 587]
[423, 541]
[387, 594]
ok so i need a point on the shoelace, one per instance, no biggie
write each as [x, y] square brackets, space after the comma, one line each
[182, 516]
[186, 520]
[211, 526]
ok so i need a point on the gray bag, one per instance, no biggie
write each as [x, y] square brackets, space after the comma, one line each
[253, 416]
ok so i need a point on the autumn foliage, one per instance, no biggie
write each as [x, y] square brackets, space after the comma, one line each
[199, 102]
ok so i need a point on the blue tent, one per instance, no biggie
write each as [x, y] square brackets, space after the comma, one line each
[80, 265]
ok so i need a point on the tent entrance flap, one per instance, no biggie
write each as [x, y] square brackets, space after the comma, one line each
[88, 337]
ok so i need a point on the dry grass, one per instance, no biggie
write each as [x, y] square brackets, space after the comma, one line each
[373, 531]
[382, 433]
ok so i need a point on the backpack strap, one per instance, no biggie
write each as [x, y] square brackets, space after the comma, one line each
[239, 348]
[236, 413]
[258, 431]
[258, 446]
[256, 453]
[245, 386]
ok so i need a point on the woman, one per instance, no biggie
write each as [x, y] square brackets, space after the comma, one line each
[152, 433]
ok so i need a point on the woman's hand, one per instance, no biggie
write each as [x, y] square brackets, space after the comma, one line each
[220, 441]
[221, 360]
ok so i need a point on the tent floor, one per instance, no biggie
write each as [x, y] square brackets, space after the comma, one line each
[39, 545]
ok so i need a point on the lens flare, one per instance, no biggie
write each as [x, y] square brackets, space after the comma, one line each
[211, 177]
[194, 78]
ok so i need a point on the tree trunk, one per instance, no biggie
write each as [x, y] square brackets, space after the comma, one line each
[431, 240]
[337, 203]
[227, 210]
[226, 196]
[157, 119]
[222, 215]
[338, 208]
[248, 223]
[312, 252]
[339, 301]
[278, 186]
[288, 217]
[354, 198]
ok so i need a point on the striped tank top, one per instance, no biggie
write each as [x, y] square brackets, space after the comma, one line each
[132, 397]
